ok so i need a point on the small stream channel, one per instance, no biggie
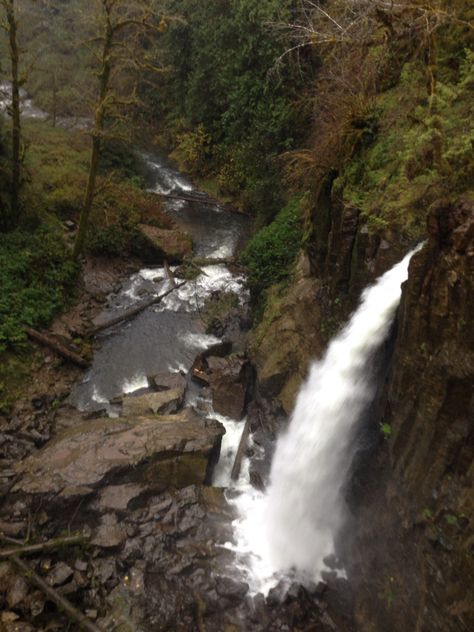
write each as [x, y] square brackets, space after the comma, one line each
[168, 336]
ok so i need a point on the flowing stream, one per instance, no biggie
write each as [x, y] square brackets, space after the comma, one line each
[168, 336]
[289, 530]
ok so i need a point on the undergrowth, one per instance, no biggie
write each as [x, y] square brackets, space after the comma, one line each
[36, 275]
[57, 163]
[271, 252]
[15, 369]
[423, 151]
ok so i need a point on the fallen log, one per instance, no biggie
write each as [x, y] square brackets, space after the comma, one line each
[130, 313]
[239, 455]
[58, 347]
[206, 201]
[30, 549]
[64, 604]
[198, 262]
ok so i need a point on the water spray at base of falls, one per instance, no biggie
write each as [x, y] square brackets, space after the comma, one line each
[290, 529]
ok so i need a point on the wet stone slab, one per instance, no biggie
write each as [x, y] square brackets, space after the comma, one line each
[176, 451]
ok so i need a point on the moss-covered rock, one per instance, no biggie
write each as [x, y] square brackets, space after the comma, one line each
[288, 336]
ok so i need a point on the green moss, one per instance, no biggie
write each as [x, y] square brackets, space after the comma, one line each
[270, 254]
[178, 472]
[270, 310]
[15, 371]
[36, 274]
[423, 150]
[219, 307]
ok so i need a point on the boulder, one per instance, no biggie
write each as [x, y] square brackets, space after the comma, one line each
[168, 381]
[177, 451]
[231, 589]
[161, 403]
[230, 382]
[109, 534]
[216, 363]
[59, 574]
[229, 398]
[118, 496]
[160, 244]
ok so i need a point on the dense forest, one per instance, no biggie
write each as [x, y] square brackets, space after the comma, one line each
[342, 132]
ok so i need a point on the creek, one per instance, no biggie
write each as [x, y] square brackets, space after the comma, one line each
[166, 337]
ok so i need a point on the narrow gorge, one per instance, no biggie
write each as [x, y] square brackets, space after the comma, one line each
[236, 316]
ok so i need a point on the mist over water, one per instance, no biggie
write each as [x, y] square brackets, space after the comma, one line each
[292, 527]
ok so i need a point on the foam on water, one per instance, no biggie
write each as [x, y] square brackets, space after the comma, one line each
[193, 295]
[198, 341]
[134, 383]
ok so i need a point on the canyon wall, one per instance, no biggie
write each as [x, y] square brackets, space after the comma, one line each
[413, 555]
[410, 550]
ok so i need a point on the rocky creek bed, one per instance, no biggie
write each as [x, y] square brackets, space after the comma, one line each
[108, 474]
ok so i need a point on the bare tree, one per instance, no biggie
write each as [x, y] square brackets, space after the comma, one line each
[366, 22]
[10, 26]
[121, 45]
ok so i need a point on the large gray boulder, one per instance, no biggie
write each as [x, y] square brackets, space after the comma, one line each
[176, 451]
[163, 403]
[168, 381]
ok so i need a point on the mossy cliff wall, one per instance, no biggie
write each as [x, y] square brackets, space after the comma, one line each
[341, 257]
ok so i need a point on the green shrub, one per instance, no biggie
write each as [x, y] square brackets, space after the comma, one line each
[423, 151]
[36, 273]
[108, 240]
[193, 148]
[272, 251]
[122, 159]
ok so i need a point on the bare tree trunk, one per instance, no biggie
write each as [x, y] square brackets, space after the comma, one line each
[56, 346]
[97, 134]
[121, 24]
[89, 197]
[55, 100]
[11, 27]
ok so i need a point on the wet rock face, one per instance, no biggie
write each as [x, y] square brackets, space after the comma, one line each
[287, 339]
[342, 252]
[230, 380]
[162, 403]
[174, 451]
[414, 531]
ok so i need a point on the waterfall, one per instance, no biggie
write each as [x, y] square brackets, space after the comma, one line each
[291, 528]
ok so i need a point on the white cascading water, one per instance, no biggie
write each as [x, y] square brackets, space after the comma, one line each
[291, 528]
